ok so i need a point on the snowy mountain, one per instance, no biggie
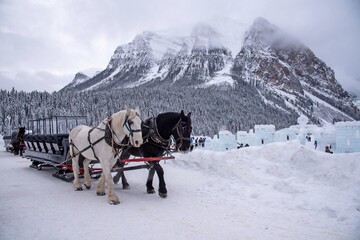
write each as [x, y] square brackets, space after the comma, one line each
[228, 54]
[78, 79]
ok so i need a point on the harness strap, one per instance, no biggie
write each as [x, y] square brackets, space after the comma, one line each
[86, 148]
[92, 144]
[155, 136]
[109, 138]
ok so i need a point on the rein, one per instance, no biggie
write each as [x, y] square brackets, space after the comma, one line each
[178, 130]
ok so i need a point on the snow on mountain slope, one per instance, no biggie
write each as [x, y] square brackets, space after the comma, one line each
[226, 53]
[326, 112]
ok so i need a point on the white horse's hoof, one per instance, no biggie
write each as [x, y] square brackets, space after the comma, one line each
[87, 187]
[100, 193]
[79, 189]
[113, 202]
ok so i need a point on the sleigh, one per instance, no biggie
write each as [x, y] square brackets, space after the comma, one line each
[47, 145]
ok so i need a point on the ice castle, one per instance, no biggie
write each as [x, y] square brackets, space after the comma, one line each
[343, 137]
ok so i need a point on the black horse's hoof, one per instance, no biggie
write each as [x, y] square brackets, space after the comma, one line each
[150, 191]
[126, 186]
[163, 195]
[100, 193]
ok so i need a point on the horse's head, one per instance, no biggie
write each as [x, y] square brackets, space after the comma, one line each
[21, 132]
[182, 131]
[18, 135]
[132, 126]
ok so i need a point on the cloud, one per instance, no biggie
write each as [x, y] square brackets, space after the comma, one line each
[33, 81]
[62, 37]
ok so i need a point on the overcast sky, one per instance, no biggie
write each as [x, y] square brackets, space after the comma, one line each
[43, 43]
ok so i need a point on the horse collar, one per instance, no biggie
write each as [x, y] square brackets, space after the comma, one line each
[155, 136]
[109, 138]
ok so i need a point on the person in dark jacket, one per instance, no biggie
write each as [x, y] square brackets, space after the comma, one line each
[327, 149]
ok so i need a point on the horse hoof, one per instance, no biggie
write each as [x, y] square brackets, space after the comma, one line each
[100, 193]
[78, 189]
[126, 186]
[163, 195]
[87, 187]
[113, 202]
[151, 191]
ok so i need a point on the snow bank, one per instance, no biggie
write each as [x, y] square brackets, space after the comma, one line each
[276, 191]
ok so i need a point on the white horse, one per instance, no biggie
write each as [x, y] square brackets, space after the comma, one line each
[104, 143]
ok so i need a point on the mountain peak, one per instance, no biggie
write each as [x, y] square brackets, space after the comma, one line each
[79, 78]
[262, 23]
[80, 75]
[203, 30]
[223, 54]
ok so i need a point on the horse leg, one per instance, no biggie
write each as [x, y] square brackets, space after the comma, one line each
[100, 189]
[113, 198]
[162, 186]
[87, 177]
[106, 176]
[149, 186]
[124, 181]
[121, 174]
[75, 166]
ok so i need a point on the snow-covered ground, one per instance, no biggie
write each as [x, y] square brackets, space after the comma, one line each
[276, 191]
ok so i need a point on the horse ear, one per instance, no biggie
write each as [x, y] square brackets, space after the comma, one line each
[182, 114]
[128, 111]
[137, 109]
[189, 115]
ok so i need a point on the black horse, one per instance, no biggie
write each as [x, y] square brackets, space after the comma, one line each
[157, 132]
[17, 141]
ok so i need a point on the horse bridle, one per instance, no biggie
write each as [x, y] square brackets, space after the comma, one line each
[127, 124]
[178, 133]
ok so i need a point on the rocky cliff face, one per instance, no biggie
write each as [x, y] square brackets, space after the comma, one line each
[78, 79]
[280, 67]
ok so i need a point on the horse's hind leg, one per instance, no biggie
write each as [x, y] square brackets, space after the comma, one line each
[120, 173]
[124, 181]
[100, 189]
[87, 177]
[75, 166]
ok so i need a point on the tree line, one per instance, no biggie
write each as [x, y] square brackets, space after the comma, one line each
[236, 109]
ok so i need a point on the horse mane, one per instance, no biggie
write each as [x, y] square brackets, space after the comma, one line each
[165, 129]
[169, 115]
[117, 119]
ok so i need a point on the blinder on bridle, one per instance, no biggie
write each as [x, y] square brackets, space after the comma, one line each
[127, 124]
[180, 129]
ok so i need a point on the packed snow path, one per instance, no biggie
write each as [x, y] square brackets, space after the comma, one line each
[277, 191]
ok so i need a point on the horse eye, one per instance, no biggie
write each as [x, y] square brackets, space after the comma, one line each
[130, 122]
